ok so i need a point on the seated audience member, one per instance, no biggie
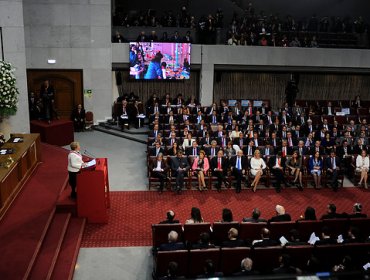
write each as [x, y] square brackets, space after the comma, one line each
[332, 213]
[172, 272]
[265, 240]
[238, 165]
[180, 167]
[172, 244]
[170, 218]
[157, 150]
[219, 166]
[204, 242]
[233, 241]
[188, 141]
[362, 167]
[159, 170]
[285, 266]
[213, 149]
[257, 165]
[277, 168]
[200, 168]
[295, 166]
[345, 266]
[246, 268]
[313, 265]
[210, 270]
[294, 238]
[124, 118]
[78, 118]
[229, 150]
[227, 215]
[332, 164]
[353, 235]
[315, 167]
[195, 216]
[193, 150]
[325, 238]
[255, 217]
[172, 151]
[357, 211]
[2, 139]
[309, 214]
[281, 216]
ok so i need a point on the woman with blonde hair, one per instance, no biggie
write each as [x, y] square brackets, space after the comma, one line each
[362, 167]
[257, 165]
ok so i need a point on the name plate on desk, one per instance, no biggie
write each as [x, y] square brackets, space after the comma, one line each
[15, 140]
[6, 151]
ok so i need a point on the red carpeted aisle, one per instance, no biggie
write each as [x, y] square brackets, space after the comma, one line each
[132, 213]
[24, 223]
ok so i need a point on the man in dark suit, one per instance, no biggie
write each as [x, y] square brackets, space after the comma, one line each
[213, 118]
[180, 167]
[219, 167]
[213, 149]
[206, 141]
[158, 168]
[277, 168]
[238, 165]
[332, 213]
[332, 165]
[172, 244]
[256, 214]
[344, 150]
[241, 141]
[249, 149]
[302, 150]
[317, 148]
[171, 118]
[156, 150]
[78, 118]
[265, 240]
[193, 150]
[274, 141]
[155, 131]
[281, 216]
[233, 240]
[170, 218]
[268, 150]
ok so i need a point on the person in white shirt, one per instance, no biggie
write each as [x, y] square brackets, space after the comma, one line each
[257, 166]
[75, 163]
[362, 167]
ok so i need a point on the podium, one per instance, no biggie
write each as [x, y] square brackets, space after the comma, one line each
[93, 192]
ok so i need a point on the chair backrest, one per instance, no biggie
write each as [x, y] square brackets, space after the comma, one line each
[363, 224]
[197, 260]
[163, 258]
[359, 253]
[160, 233]
[299, 254]
[266, 258]
[251, 231]
[231, 258]
[193, 231]
[220, 231]
[89, 116]
[279, 229]
[305, 228]
[329, 255]
[336, 226]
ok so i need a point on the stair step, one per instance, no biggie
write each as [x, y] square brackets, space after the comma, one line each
[50, 247]
[65, 204]
[65, 264]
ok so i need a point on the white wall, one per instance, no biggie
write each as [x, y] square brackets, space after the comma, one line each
[77, 33]
[11, 21]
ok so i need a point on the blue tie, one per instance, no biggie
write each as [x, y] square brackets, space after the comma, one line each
[238, 165]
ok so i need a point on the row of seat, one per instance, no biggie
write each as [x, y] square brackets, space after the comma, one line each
[267, 176]
[227, 260]
[189, 233]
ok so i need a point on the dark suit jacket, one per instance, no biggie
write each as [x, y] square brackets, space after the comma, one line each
[224, 164]
[171, 246]
[233, 243]
[251, 220]
[244, 162]
[179, 162]
[237, 141]
[209, 149]
[266, 243]
[153, 164]
[328, 162]
[272, 162]
[189, 151]
[340, 151]
[153, 151]
[170, 222]
[245, 150]
[281, 218]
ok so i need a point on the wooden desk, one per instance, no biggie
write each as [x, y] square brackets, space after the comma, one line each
[26, 156]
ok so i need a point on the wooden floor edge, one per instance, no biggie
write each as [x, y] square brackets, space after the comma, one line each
[78, 246]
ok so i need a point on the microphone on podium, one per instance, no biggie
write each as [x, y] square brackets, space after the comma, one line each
[88, 154]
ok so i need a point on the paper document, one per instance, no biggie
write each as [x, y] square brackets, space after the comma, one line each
[283, 241]
[17, 139]
[90, 163]
[313, 239]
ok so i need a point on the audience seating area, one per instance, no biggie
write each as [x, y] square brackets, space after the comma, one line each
[351, 125]
[227, 260]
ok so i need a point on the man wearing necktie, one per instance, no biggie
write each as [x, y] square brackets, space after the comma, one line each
[277, 168]
[219, 166]
[159, 168]
[179, 166]
[212, 151]
[238, 169]
[333, 165]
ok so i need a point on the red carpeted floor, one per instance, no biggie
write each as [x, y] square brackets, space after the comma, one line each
[23, 225]
[132, 213]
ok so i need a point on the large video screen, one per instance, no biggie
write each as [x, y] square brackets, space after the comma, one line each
[159, 61]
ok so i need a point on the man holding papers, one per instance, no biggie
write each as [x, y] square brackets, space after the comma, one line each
[75, 163]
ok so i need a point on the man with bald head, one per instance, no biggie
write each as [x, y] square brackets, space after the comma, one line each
[281, 216]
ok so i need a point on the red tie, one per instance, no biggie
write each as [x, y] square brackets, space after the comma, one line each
[279, 162]
[219, 163]
[284, 152]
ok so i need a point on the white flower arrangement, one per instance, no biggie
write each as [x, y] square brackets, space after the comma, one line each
[8, 90]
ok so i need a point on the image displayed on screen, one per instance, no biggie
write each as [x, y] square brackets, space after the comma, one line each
[159, 61]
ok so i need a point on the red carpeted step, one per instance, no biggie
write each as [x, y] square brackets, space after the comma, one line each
[65, 204]
[50, 247]
[65, 264]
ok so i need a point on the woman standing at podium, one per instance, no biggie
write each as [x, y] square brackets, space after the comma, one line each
[75, 163]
